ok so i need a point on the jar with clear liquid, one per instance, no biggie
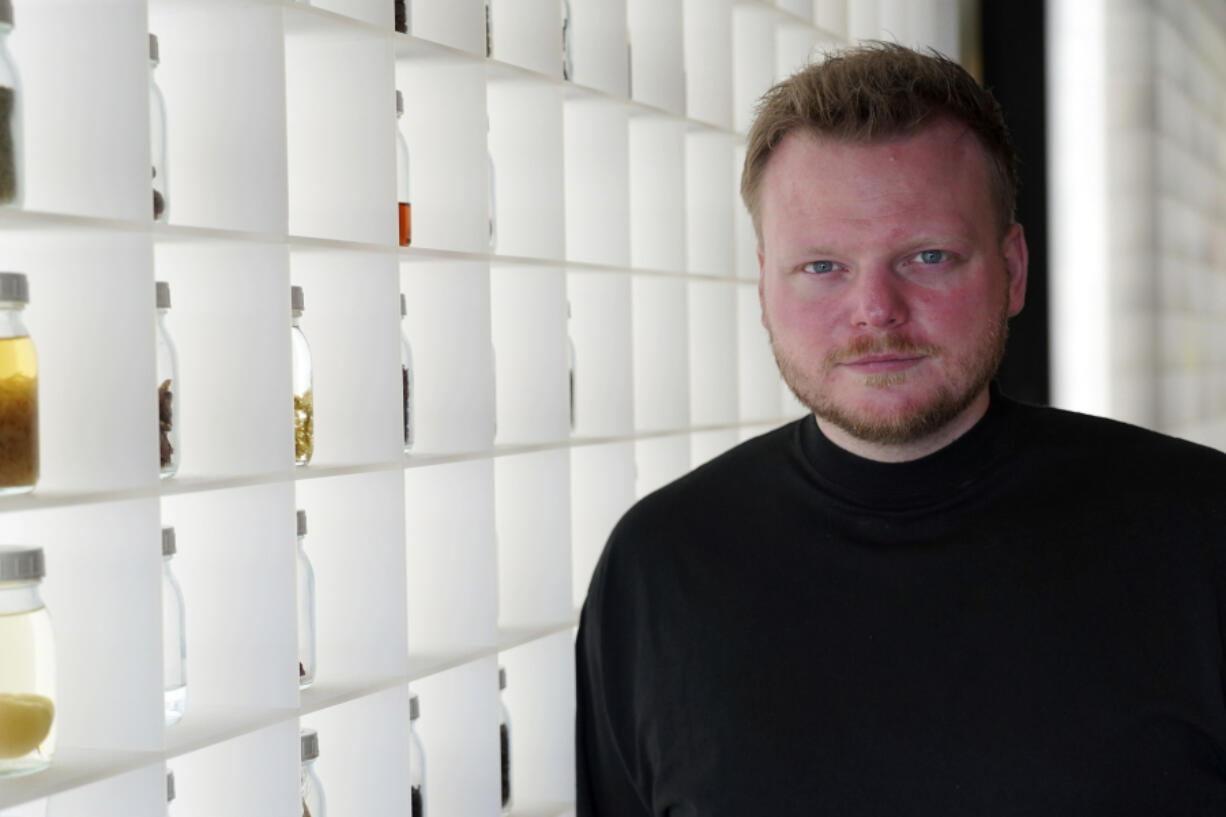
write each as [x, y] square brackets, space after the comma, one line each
[157, 136]
[417, 763]
[174, 634]
[306, 609]
[27, 671]
[311, 789]
[404, 206]
[504, 742]
[170, 790]
[168, 388]
[406, 376]
[304, 401]
[12, 186]
[18, 390]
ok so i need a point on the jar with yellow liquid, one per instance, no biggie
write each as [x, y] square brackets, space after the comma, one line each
[27, 673]
[18, 390]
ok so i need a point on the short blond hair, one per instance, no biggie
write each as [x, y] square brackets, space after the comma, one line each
[878, 91]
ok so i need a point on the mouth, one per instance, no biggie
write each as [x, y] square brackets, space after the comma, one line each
[882, 363]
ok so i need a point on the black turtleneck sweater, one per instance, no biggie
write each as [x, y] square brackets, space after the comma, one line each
[1027, 622]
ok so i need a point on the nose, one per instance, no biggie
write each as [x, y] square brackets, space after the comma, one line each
[877, 300]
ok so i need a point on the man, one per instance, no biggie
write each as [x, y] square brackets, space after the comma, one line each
[924, 598]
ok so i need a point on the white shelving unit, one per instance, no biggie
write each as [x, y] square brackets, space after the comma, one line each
[616, 192]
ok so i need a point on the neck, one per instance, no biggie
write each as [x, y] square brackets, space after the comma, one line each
[912, 449]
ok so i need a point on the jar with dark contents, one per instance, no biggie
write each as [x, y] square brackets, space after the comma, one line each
[157, 136]
[306, 608]
[417, 762]
[168, 388]
[170, 790]
[310, 788]
[504, 742]
[406, 377]
[12, 187]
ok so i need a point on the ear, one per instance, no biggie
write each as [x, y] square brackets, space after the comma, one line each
[761, 277]
[1017, 259]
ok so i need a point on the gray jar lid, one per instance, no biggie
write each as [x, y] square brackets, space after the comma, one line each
[502, 677]
[302, 528]
[21, 564]
[414, 708]
[399, 103]
[163, 294]
[13, 285]
[153, 49]
[170, 785]
[297, 301]
[168, 541]
[6, 11]
[404, 309]
[309, 739]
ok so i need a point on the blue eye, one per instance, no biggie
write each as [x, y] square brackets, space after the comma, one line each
[819, 267]
[932, 256]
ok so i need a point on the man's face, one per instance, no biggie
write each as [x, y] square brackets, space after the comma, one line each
[885, 284]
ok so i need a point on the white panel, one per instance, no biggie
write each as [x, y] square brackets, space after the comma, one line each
[533, 523]
[710, 203]
[222, 74]
[660, 460]
[753, 62]
[376, 12]
[142, 792]
[602, 489]
[709, 444]
[759, 380]
[793, 49]
[353, 314]
[708, 68]
[597, 183]
[250, 776]
[657, 72]
[657, 194]
[84, 69]
[528, 33]
[526, 146]
[600, 327]
[598, 45]
[458, 23]
[528, 316]
[712, 311]
[540, 702]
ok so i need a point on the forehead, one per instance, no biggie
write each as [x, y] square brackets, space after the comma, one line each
[939, 173]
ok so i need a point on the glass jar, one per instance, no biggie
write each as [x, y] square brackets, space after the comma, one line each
[12, 186]
[504, 742]
[157, 137]
[168, 388]
[402, 16]
[570, 367]
[170, 790]
[403, 202]
[417, 762]
[174, 635]
[18, 390]
[310, 788]
[406, 376]
[489, 30]
[304, 401]
[27, 673]
[568, 60]
[306, 609]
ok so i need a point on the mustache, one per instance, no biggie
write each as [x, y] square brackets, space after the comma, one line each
[891, 345]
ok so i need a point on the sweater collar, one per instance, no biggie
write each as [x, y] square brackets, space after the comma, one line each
[937, 479]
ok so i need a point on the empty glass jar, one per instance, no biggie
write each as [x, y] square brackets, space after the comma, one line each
[27, 671]
[174, 634]
[306, 609]
[311, 789]
[168, 388]
[18, 390]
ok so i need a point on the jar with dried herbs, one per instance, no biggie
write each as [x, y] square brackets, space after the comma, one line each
[157, 136]
[168, 388]
[18, 390]
[11, 181]
[304, 402]
[27, 671]
[311, 789]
